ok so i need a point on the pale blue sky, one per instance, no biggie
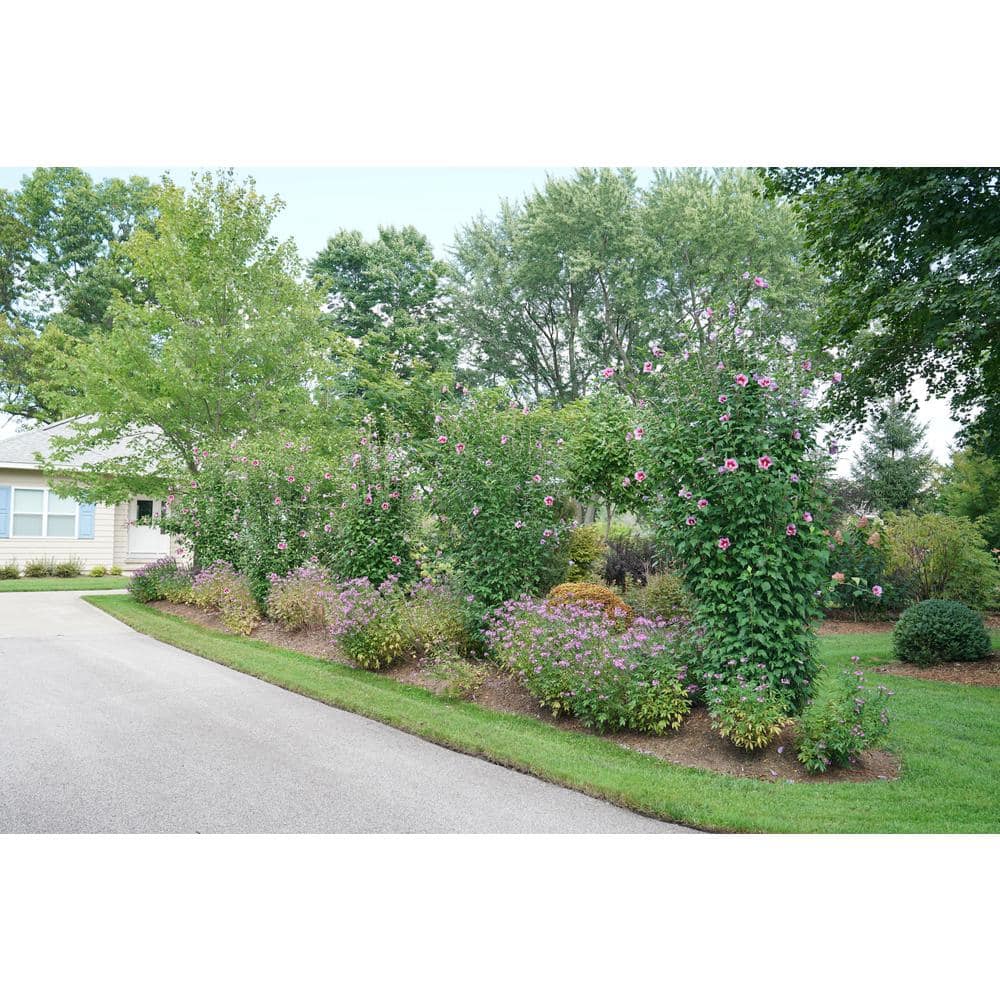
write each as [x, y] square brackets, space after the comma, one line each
[321, 200]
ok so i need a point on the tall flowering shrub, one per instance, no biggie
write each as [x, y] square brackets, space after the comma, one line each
[496, 489]
[258, 506]
[368, 531]
[732, 479]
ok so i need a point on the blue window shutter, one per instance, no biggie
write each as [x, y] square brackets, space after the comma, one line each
[86, 520]
[4, 512]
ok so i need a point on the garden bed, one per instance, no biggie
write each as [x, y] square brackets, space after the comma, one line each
[694, 745]
[980, 673]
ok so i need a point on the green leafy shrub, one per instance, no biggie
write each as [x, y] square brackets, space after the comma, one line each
[36, 568]
[585, 553]
[178, 588]
[732, 479]
[98, 571]
[747, 712]
[663, 596]
[149, 582]
[10, 571]
[593, 593]
[436, 620]
[846, 717]
[367, 622]
[461, 677]
[938, 631]
[945, 557]
[220, 587]
[68, 568]
[298, 599]
[498, 494]
[860, 579]
[115, 571]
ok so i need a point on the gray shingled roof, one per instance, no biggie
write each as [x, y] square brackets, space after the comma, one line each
[20, 449]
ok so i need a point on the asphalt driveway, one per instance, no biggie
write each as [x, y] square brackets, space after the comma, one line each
[104, 730]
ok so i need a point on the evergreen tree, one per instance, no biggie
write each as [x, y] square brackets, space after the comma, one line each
[894, 468]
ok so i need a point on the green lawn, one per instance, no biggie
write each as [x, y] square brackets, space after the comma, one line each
[947, 736]
[65, 583]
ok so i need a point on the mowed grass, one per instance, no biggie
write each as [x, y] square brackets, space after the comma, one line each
[65, 583]
[947, 736]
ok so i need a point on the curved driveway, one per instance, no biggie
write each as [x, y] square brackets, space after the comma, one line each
[104, 730]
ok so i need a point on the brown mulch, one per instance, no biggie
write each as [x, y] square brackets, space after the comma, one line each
[978, 673]
[695, 744]
[845, 627]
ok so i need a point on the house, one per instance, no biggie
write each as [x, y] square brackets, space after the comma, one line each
[35, 523]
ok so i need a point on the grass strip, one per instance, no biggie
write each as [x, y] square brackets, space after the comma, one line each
[946, 735]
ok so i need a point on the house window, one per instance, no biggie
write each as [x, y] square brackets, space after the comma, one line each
[144, 510]
[42, 514]
[29, 513]
[60, 517]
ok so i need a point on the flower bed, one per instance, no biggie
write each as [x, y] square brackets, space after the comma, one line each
[695, 744]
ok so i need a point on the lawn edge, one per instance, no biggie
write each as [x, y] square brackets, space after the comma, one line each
[115, 606]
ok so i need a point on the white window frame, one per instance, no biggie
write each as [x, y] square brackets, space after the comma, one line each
[45, 514]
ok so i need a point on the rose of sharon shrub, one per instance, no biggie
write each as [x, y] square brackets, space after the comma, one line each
[498, 497]
[939, 631]
[368, 531]
[846, 717]
[732, 477]
[572, 659]
[260, 506]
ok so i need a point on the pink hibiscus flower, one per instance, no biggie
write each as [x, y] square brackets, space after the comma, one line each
[742, 380]
[730, 465]
[640, 476]
[790, 530]
[724, 543]
[765, 462]
[549, 501]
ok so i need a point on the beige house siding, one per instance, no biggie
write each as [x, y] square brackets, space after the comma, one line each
[96, 551]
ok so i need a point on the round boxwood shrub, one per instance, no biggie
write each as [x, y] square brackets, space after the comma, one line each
[936, 631]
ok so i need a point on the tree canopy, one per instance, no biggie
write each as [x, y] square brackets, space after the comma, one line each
[591, 270]
[228, 343]
[59, 272]
[912, 257]
[389, 297]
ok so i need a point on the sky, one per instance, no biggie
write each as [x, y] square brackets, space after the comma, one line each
[436, 200]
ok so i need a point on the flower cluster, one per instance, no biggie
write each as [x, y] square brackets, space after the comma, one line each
[575, 659]
[298, 599]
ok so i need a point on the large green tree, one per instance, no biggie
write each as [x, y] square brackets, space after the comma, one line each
[59, 272]
[590, 271]
[893, 467]
[970, 487]
[229, 343]
[390, 297]
[912, 256]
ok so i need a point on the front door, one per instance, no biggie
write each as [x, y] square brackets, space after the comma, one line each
[144, 537]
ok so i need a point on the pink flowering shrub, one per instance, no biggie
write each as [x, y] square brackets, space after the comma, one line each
[368, 530]
[733, 488]
[365, 620]
[221, 588]
[498, 496]
[847, 717]
[298, 599]
[574, 660]
[258, 505]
